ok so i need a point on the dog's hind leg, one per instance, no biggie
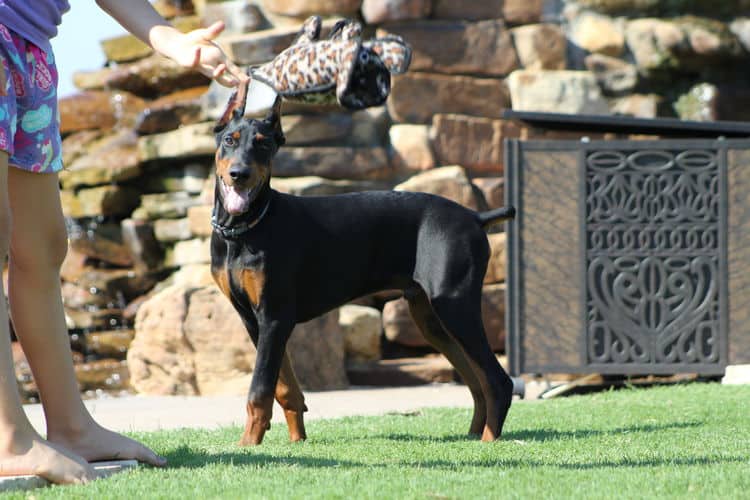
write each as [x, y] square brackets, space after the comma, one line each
[290, 397]
[433, 331]
[462, 319]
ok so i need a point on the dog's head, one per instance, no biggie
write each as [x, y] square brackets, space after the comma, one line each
[244, 149]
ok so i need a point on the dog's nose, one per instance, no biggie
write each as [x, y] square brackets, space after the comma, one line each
[239, 173]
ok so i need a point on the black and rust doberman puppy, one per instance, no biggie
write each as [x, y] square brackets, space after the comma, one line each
[284, 259]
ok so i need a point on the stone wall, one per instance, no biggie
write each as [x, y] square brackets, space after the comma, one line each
[138, 150]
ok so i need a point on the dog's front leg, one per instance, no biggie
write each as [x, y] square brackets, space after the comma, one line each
[272, 339]
[290, 397]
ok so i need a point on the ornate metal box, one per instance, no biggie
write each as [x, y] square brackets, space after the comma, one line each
[628, 257]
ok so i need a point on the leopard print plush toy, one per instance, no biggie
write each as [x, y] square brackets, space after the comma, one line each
[343, 68]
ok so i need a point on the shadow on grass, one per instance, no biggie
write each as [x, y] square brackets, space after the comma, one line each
[185, 457]
[538, 435]
[553, 434]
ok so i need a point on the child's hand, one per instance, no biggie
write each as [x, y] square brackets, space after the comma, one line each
[197, 49]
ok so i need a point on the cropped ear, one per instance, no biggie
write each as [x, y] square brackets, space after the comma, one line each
[235, 107]
[274, 119]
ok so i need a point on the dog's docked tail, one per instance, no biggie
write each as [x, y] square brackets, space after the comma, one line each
[491, 217]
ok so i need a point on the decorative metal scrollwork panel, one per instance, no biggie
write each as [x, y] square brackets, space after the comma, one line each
[653, 257]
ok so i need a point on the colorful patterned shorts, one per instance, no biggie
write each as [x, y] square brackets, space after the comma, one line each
[29, 120]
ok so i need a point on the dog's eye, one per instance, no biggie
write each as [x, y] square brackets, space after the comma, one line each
[229, 141]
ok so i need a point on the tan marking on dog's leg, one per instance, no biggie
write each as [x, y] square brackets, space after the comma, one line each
[258, 422]
[290, 397]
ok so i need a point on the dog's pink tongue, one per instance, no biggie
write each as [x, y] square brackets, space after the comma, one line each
[236, 202]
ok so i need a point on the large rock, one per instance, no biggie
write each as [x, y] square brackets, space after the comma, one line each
[92, 318]
[710, 40]
[305, 130]
[223, 355]
[99, 241]
[98, 110]
[741, 29]
[684, 44]
[302, 8]
[199, 219]
[369, 127]
[332, 162]
[361, 328]
[400, 328]
[523, 11]
[190, 341]
[613, 75]
[411, 148]
[700, 103]
[188, 178]
[598, 34]
[468, 11]
[145, 250]
[714, 8]
[165, 205]
[111, 159]
[448, 182]
[653, 42]
[493, 190]
[380, 11]
[114, 199]
[104, 374]
[110, 343]
[190, 140]
[402, 372]
[171, 111]
[514, 12]
[151, 77]
[171, 230]
[540, 46]
[239, 16]
[317, 350]
[77, 144]
[194, 251]
[481, 48]
[173, 8]
[124, 284]
[447, 94]
[78, 297]
[496, 265]
[474, 143]
[638, 105]
[574, 92]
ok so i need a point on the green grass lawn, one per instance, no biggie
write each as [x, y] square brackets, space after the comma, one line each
[689, 441]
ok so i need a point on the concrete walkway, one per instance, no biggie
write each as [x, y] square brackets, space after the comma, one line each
[149, 413]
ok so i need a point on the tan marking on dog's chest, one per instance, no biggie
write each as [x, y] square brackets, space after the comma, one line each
[221, 277]
[252, 281]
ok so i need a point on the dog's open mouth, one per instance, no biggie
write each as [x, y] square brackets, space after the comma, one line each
[236, 199]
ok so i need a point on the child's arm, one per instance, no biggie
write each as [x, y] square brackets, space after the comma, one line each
[195, 49]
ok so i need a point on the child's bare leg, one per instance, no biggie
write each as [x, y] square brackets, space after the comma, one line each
[22, 450]
[37, 248]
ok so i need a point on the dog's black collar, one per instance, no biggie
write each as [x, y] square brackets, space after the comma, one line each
[236, 230]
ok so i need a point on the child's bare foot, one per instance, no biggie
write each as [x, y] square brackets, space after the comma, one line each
[97, 443]
[32, 455]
